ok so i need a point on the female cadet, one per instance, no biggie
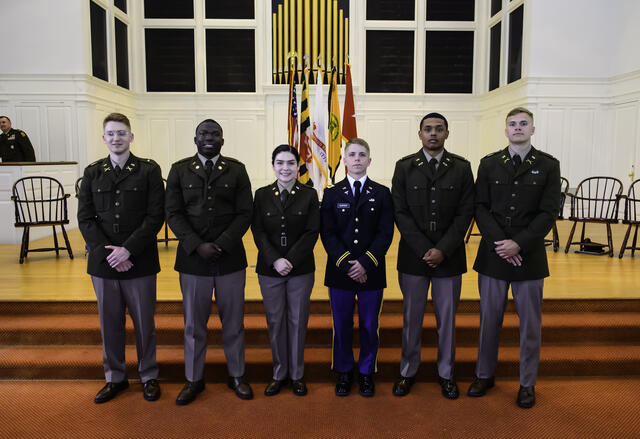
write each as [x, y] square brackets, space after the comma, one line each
[285, 226]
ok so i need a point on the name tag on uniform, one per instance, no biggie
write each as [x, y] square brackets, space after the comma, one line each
[535, 171]
[12, 137]
[343, 205]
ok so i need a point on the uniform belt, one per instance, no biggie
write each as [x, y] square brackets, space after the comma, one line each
[507, 220]
[116, 228]
[432, 226]
[283, 241]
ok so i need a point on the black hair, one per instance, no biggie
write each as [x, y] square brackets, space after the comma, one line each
[208, 120]
[435, 116]
[285, 148]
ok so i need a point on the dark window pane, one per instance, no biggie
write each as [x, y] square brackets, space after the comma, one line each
[98, 41]
[389, 61]
[494, 57]
[390, 9]
[449, 62]
[168, 8]
[515, 44]
[496, 5]
[451, 10]
[122, 55]
[170, 60]
[229, 9]
[231, 60]
[120, 4]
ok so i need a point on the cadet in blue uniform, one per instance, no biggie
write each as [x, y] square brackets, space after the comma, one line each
[120, 211]
[15, 145]
[209, 206]
[356, 230]
[516, 203]
[433, 202]
[286, 221]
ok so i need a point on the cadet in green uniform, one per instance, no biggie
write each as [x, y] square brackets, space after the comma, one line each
[209, 207]
[15, 145]
[433, 203]
[120, 211]
[517, 202]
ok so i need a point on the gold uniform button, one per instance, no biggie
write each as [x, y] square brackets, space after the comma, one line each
[356, 230]
[117, 203]
[357, 220]
[117, 191]
[117, 215]
[355, 241]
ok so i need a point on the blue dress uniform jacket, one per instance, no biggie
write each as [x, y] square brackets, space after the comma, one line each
[215, 209]
[289, 231]
[15, 146]
[363, 233]
[432, 211]
[127, 211]
[520, 205]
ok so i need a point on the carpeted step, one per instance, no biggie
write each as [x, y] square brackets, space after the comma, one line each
[55, 362]
[558, 328]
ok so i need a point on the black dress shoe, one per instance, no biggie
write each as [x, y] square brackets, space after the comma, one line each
[299, 387]
[367, 388]
[449, 388]
[241, 387]
[109, 391]
[479, 386]
[402, 387]
[526, 397]
[189, 392]
[274, 386]
[343, 384]
[151, 390]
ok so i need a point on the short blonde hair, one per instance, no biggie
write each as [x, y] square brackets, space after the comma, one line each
[519, 110]
[358, 141]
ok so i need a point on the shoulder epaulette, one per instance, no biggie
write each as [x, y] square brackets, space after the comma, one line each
[546, 154]
[492, 154]
[149, 161]
[186, 159]
[95, 163]
[231, 159]
[458, 157]
[407, 156]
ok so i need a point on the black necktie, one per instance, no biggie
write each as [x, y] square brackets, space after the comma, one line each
[432, 165]
[356, 185]
[517, 161]
[208, 166]
[283, 196]
[117, 170]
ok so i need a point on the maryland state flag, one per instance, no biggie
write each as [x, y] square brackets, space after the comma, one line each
[349, 130]
[335, 137]
[305, 134]
[292, 125]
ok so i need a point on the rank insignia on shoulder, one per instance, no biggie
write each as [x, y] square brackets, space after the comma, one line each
[23, 134]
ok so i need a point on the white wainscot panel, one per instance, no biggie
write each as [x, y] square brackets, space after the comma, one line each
[184, 146]
[624, 139]
[59, 135]
[160, 139]
[28, 120]
[402, 141]
[378, 136]
[458, 141]
[579, 156]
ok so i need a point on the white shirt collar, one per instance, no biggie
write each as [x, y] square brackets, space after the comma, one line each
[352, 180]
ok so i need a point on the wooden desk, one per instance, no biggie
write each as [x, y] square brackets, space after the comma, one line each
[65, 172]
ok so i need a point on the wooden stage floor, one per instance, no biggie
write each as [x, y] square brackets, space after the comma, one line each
[45, 277]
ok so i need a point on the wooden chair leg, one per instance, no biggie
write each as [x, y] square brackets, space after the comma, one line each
[556, 240]
[166, 234]
[23, 253]
[635, 239]
[610, 240]
[55, 241]
[473, 222]
[584, 226]
[66, 242]
[624, 242]
[573, 229]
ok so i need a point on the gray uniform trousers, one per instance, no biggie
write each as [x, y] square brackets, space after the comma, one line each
[196, 302]
[527, 296]
[286, 303]
[445, 292]
[139, 296]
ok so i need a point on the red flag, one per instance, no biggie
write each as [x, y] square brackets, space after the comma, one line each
[349, 130]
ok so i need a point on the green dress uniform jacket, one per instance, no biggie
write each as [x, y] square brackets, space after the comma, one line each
[215, 209]
[432, 211]
[521, 205]
[127, 211]
[288, 231]
[15, 146]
